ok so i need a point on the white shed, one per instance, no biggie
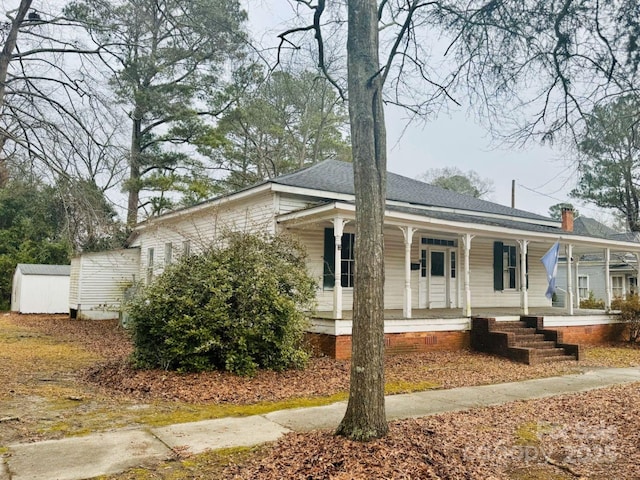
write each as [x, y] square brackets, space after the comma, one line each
[40, 288]
[99, 281]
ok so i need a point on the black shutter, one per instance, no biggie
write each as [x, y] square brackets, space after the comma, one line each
[328, 276]
[498, 278]
[526, 262]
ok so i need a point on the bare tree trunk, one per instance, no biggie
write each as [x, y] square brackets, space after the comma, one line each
[5, 59]
[133, 184]
[10, 45]
[365, 418]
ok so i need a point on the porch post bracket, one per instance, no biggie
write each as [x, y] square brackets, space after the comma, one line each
[524, 292]
[338, 229]
[466, 242]
[407, 232]
[569, 299]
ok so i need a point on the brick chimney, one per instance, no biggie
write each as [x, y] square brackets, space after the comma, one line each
[567, 219]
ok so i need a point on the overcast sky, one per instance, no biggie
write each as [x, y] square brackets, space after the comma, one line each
[454, 140]
[450, 140]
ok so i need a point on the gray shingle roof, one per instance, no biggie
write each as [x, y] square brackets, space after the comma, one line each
[37, 269]
[496, 222]
[336, 176]
[592, 228]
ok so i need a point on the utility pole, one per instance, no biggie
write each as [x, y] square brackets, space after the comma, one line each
[513, 194]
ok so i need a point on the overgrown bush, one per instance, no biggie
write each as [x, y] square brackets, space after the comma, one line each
[237, 308]
[630, 314]
[591, 303]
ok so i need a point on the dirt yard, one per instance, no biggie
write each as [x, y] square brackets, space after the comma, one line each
[64, 377]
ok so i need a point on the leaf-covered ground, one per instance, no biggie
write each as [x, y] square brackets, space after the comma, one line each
[593, 435]
[63, 377]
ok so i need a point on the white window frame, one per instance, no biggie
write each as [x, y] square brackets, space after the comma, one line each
[619, 288]
[348, 261]
[585, 288]
[506, 267]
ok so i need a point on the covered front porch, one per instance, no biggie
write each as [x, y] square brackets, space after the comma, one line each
[444, 266]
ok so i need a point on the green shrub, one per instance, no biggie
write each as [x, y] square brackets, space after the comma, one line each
[630, 314]
[591, 303]
[237, 308]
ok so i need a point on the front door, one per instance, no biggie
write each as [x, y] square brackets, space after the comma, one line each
[437, 287]
[437, 279]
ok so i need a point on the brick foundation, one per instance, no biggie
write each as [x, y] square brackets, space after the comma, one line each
[593, 334]
[339, 347]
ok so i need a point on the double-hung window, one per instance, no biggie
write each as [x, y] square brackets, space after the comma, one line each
[347, 259]
[506, 266]
[617, 286]
[583, 287]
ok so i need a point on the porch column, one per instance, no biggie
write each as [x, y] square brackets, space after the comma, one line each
[637, 255]
[524, 291]
[569, 299]
[338, 228]
[607, 279]
[577, 285]
[466, 242]
[407, 232]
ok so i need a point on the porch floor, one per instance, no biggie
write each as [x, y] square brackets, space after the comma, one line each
[436, 313]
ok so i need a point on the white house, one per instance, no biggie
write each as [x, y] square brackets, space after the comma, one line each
[448, 256]
[40, 288]
[99, 281]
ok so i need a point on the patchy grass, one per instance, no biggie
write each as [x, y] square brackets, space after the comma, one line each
[66, 377]
[209, 465]
[529, 433]
[29, 359]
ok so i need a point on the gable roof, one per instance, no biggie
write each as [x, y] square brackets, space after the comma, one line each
[336, 176]
[39, 269]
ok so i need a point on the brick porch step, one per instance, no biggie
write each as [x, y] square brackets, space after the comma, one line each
[524, 341]
[529, 337]
[508, 326]
[537, 344]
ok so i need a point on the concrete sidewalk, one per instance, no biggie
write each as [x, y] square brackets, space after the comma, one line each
[112, 452]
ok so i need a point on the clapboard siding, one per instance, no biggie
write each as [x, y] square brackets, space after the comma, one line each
[313, 239]
[99, 281]
[394, 269]
[289, 203]
[595, 273]
[203, 228]
[481, 268]
[481, 265]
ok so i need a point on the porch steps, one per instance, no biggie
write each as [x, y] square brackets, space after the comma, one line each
[525, 341]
